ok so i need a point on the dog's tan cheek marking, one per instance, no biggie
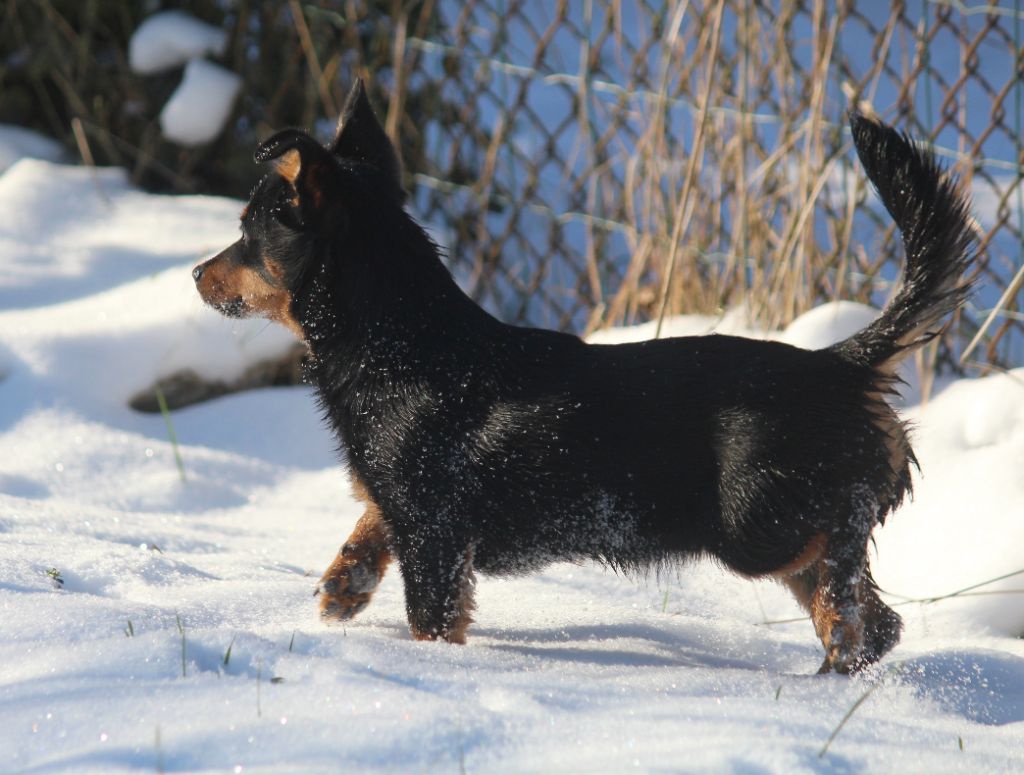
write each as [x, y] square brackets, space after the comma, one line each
[283, 312]
[262, 298]
[256, 292]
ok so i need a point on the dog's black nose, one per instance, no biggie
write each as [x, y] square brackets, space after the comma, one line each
[197, 273]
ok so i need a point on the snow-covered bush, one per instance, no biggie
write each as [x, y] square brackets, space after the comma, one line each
[199, 108]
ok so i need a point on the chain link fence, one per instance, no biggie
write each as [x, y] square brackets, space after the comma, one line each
[596, 162]
[604, 161]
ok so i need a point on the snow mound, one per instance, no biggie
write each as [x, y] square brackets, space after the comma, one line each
[77, 232]
[964, 525]
[104, 301]
[823, 326]
[734, 322]
[170, 39]
[18, 143]
[199, 108]
[818, 328]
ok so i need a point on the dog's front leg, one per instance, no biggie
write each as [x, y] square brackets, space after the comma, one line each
[439, 586]
[347, 586]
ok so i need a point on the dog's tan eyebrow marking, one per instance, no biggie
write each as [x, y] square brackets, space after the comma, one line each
[245, 212]
[288, 165]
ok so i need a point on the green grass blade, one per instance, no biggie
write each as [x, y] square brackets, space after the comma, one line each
[166, 414]
[181, 629]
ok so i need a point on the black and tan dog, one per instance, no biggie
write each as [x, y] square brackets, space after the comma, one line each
[480, 446]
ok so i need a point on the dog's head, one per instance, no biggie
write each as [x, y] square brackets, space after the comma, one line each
[307, 194]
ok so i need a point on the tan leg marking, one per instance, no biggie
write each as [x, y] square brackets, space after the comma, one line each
[813, 552]
[840, 628]
[466, 602]
[855, 627]
[349, 583]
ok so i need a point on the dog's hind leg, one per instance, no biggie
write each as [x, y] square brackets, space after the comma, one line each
[882, 625]
[854, 625]
[838, 602]
[831, 592]
[349, 583]
[439, 587]
[876, 626]
[836, 606]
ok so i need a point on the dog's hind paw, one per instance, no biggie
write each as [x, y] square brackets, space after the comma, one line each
[845, 654]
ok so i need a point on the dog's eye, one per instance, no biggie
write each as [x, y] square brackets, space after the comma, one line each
[288, 214]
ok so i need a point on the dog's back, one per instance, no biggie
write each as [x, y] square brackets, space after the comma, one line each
[647, 453]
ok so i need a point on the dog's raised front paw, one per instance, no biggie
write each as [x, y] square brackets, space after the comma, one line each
[348, 585]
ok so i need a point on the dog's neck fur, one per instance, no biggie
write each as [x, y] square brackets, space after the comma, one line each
[393, 286]
[384, 317]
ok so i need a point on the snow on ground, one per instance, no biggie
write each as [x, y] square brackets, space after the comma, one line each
[569, 670]
[18, 143]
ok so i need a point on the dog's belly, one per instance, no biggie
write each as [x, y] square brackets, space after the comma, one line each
[601, 526]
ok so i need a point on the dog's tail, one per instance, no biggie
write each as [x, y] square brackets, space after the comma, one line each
[932, 213]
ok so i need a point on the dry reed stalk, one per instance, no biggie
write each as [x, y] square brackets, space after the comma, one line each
[1004, 302]
[86, 152]
[685, 204]
[396, 105]
[790, 284]
[758, 223]
[322, 85]
[740, 243]
[585, 134]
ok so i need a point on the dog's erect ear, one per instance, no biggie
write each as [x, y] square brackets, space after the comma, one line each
[360, 137]
[303, 163]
